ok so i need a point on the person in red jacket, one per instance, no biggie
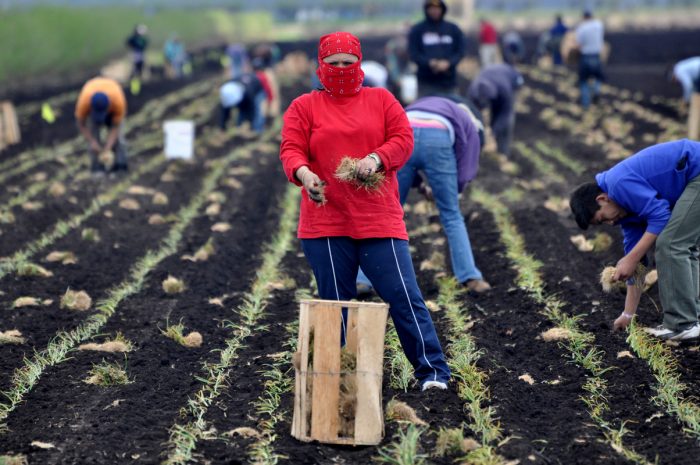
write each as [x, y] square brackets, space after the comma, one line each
[488, 43]
[342, 227]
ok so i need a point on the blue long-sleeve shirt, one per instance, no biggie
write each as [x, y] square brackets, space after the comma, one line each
[648, 184]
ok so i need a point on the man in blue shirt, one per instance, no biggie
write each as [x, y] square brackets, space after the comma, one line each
[655, 196]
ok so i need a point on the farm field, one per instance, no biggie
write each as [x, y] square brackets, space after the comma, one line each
[224, 226]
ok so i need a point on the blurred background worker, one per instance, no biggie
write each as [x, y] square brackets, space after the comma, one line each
[436, 46]
[247, 94]
[138, 42]
[687, 73]
[239, 61]
[175, 57]
[488, 43]
[556, 34]
[496, 88]
[513, 47]
[101, 103]
[589, 37]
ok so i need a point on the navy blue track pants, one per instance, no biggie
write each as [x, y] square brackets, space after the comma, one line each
[387, 263]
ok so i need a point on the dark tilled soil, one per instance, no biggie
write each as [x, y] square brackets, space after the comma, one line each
[542, 423]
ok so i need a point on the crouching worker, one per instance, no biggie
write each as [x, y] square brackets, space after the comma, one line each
[246, 93]
[101, 103]
[446, 149]
[342, 227]
[655, 197]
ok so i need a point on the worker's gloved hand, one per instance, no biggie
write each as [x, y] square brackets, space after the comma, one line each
[312, 184]
[95, 147]
[365, 167]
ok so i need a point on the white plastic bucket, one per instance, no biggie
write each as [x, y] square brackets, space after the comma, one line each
[409, 88]
[179, 139]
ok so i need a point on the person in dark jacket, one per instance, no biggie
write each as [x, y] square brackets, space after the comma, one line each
[496, 87]
[246, 93]
[446, 149]
[137, 42]
[436, 46]
[654, 196]
[556, 35]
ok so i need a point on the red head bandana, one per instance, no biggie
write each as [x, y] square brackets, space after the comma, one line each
[340, 82]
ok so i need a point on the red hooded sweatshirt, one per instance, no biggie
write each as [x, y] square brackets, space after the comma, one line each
[319, 130]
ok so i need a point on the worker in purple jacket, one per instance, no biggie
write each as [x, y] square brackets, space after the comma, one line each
[446, 149]
[655, 196]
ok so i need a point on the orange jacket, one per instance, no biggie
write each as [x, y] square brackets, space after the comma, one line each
[111, 88]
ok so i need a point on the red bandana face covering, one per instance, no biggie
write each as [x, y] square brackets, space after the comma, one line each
[340, 82]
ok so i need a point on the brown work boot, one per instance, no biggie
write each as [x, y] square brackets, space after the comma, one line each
[478, 286]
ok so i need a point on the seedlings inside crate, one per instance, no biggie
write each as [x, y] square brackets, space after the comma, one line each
[347, 402]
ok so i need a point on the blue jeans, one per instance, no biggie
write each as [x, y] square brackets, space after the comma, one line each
[434, 154]
[254, 114]
[387, 261]
[590, 68]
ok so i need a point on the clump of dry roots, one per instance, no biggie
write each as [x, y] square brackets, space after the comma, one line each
[606, 279]
[347, 172]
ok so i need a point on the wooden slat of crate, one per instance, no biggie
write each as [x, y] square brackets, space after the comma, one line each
[369, 417]
[299, 424]
[694, 117]
[326, 382]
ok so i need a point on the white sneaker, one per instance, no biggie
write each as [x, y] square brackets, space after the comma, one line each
[433, 385]
[665, 333]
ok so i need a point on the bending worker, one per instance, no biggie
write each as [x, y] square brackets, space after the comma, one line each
[654, 196]
[101, 103]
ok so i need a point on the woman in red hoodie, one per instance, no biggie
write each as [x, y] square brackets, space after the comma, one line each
[342, 227]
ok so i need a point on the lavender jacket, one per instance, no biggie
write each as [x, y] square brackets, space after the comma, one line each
[467, 146]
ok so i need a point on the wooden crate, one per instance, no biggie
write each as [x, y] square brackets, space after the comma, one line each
[317, 394]
[9, 128]
[694, 117]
